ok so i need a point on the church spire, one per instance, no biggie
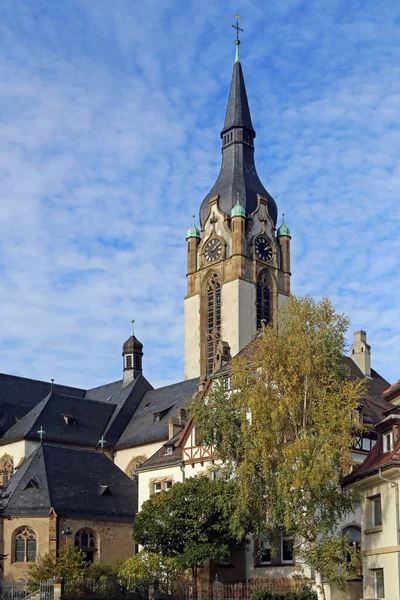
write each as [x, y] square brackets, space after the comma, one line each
[237, 111]
[238, 174]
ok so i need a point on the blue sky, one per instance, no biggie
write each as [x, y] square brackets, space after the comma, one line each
[110, 114]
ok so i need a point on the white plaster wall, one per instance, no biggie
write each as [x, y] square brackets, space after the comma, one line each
[18, 450]
[146, 477]
[390, 565]
[192, 336]
[238, 310]
[122, 458]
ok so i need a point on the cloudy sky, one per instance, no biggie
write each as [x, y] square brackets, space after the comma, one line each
[110, 114]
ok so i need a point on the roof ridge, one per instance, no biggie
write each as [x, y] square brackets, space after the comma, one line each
[72, 387]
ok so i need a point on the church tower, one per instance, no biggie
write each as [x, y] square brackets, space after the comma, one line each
[238, 266]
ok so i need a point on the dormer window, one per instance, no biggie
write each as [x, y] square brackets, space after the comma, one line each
[156, 417]
[169, 450]
[387, 441]
[69, 421]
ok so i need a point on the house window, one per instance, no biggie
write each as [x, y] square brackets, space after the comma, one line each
[265, 552]
[213, 320]
[168, 484]
[215, 474]
[287, 550]
[263, 301]
[225, 561]
[169, 450]
[354, 539]
[387, 441]
[157, 487]
[375, 510]
[25, 545]
[85, 540]
[156, 417]
[379, 584]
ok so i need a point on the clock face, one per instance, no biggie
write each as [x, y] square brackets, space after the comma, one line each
[263, 249]
[213, 250]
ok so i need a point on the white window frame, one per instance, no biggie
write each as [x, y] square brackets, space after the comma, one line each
[291, 561]
[374, 501]
[156, 489]
[376, 583]
[387, 441]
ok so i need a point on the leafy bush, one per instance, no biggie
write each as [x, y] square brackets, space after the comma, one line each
[306, 594]
[70, 564]
[144, 568]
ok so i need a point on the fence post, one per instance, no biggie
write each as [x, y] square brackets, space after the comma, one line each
[58, 588]
[153, 590]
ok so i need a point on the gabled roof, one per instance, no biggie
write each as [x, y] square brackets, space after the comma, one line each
[377, 459]
[87, 420]
[74, 482]
[142, 428]
[18, 395]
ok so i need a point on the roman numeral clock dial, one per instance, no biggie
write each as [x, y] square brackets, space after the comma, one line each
[213, 250]
[263, 249]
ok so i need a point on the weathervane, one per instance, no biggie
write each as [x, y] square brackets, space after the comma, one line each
[133, 326]
[236, 26]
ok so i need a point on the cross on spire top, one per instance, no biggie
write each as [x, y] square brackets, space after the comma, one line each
[236, 26]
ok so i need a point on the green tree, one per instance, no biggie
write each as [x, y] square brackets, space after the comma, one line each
[190, 522]
[70, 564]
[145, 567]
[286, 432]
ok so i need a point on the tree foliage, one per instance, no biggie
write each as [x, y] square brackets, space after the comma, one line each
[190, 522]
[146, 567]
[71, 564]
[286, 431]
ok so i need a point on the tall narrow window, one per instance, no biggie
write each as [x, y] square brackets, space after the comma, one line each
[85, 540]
[263, 301]
[213, 320]
[25, 545]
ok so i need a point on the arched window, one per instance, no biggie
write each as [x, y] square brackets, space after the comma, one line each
[25, 545]
[213, 320]
[6, 469]
[354, 533]
[263, 301]
[85, 540]
[133, 465]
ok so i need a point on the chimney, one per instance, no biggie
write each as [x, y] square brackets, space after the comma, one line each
[360, 352]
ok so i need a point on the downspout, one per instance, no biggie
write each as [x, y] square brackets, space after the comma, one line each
[395, 486]
[182, 468]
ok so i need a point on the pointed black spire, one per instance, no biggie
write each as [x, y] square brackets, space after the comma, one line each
[238, 174]
[237, 111]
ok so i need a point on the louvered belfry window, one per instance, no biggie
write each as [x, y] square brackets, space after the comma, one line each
[263, 301]
[213, 320]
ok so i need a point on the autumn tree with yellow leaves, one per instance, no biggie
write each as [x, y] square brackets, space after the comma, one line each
[284, 431]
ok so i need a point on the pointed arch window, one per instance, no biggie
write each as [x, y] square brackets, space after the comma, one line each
[25, 545]
[263, 300]
[85, 540]
[213, 320]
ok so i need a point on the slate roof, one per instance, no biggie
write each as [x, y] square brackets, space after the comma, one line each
[238, 174]
[160, 459]
[142, 428]
[18, 395]
[72, 482]
[86, 421]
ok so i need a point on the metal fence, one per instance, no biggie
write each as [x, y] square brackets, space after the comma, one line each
[12, 590]
[47, 590]
[18, 590]
[218, 590]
